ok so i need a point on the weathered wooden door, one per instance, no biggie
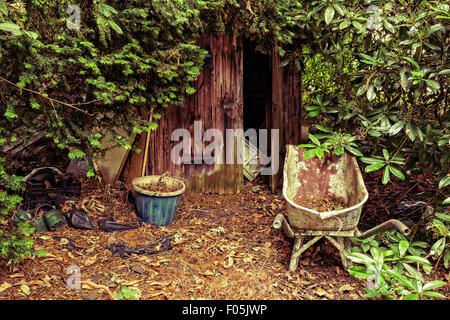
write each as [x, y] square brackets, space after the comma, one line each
[285, 111]
[217, 104]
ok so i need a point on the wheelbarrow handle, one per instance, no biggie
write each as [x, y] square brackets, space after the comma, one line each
[392, 223]
[280, 221]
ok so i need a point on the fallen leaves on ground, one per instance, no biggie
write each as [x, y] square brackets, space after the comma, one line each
[224, 248]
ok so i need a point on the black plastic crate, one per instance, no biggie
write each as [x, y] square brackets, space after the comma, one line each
[38, 193]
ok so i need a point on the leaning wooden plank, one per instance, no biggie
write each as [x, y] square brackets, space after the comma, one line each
[110, 164]
[124, 160]
[133, 164]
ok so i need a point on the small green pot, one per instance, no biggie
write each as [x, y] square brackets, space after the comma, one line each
[48, 222]
[21, 216]
[39, 225]
[54, 219]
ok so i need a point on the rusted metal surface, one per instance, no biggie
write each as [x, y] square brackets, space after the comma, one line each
[333, 177]
[392, 223]
[339, 239]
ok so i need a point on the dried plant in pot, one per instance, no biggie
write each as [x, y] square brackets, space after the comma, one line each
[157, 198]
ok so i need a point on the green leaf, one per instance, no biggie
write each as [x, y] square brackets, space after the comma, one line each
[446, 258]
[378, 257]
[417, 132]
[413, 272]
[433, 285]
[76, 154]
[396, 128]
[339, 151]
[403, 245]
[321, 128]
[329, 14]
[311, 153]
[31, 34]
[95, 143]
[360, 272]
[190, 90]
[435, 28]
[386, 154]
[397, 160]
[319, 152]
[433, 84]
[396, 172]
[34, 104]
[344, 24]
[360, 258]
[306, 145]
[366, 56]
[153, 126]
[3, 8]
[374, 133]
[13, 28]
[106, 10]
[445, 181]
[354, 151]
[101, 21]
[361, 90]
[443, 72]
[402, 279]
[446, 201]
[442, 142]
[357, 25]
[404, 82]
[418, 259]
[314, 139]
[433, 294]
[409, 131]
[438, 247]
[371, 93]
[339, 8]
[371, 160]
[386, 176]
[443, 216]
[413, 62]
[411, 296]
[315, 113]
[115, 26]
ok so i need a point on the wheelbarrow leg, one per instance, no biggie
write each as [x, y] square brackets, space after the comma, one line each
[347, 243]
[298, 250]
[295, 253]
[344, 242]
[343, 246]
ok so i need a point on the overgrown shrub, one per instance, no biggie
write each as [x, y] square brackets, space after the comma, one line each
[378, 71]
[83, 71]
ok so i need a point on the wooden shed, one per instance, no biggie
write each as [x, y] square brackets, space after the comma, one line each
[238, 88]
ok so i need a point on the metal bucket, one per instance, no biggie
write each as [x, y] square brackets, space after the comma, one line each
[157, 208]
[333, 177]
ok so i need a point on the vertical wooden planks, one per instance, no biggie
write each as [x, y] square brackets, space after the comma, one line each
[217, 48]
[276, 111]
[285, 111]
[218, 103]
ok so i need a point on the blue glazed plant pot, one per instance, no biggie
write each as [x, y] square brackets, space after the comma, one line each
[155, 207]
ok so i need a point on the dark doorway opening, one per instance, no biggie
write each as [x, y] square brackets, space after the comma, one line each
[257, 87]
[257, 92]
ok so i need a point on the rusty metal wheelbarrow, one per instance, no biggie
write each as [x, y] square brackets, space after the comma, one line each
[331, 177]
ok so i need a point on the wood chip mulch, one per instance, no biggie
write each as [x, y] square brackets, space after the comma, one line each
[224, 248]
